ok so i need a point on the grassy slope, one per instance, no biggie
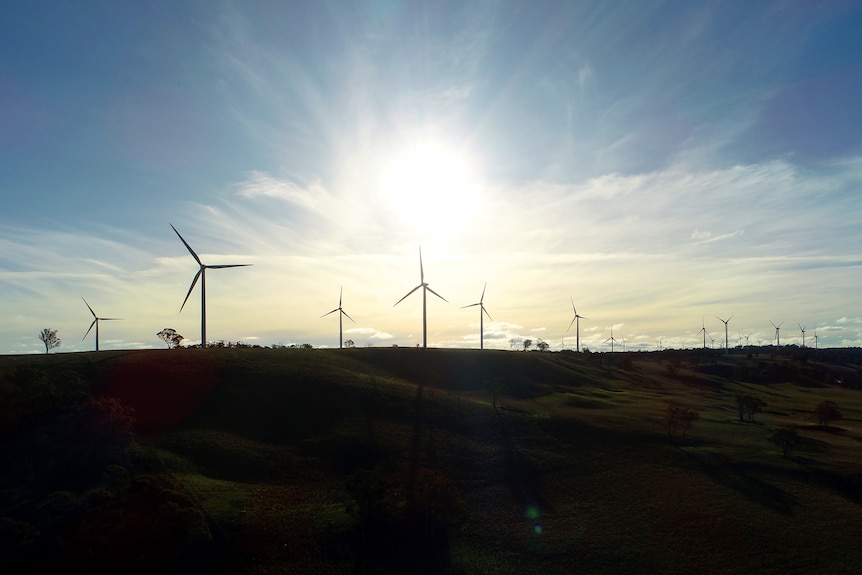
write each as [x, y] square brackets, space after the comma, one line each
[572, 474]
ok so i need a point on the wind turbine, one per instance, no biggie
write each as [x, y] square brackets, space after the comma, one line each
[725, 322]
[341, 313]
[705, 333]
[815, 338]
[802, 329]
[482, 313]
[576, 320]
[96, 320]
[777, 333]
[425, 289]
[659, 343]
[203, 277]
[611, 339]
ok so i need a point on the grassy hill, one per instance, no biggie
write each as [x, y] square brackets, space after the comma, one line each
[398, 461]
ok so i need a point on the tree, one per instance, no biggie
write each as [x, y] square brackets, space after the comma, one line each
[349, 343]
[826, 412]
[747, 406]
[527, 344]
[785, 438]
[543, 345]
[678, 419]
[170, 336]
[49, 338]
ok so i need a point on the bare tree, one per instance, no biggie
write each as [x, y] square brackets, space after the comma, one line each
[170, 336]
[527, 344]
[49, 338]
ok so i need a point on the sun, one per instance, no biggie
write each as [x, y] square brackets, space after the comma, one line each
[431, 188]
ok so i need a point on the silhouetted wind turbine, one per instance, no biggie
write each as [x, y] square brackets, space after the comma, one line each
[611, 339]
[341, 313]
[659, 343]
[703, 330]
[815, 338]
[725, 322]
[96, 320]
[577, 321]
[203, 277]
[425, 288]
[482, 312]
[777, 333]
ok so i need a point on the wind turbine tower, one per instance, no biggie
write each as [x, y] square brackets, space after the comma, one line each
[777, 333]
[482, 313]
[577, 321]
[341, 313]
[96, 320]
[425, 288]
[802, 329]
[704, 332]
[611, 339]
[725, 322]
[203, 277]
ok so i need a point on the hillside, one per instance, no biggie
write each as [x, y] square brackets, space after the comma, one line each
[398, 461]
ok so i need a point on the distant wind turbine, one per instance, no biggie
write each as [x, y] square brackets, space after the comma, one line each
[203, 277]
[96, 320]
[802, 329]
[815, 337]
[611, 339]
[425, 289]
[482, 313]
[577, 321]
[777, 333]
[341, 313]
[659, 343]
[703, 330]
[725, 322]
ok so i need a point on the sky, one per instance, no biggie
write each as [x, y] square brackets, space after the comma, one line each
[658, 165]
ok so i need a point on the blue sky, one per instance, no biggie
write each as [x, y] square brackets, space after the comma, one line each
[661, 163]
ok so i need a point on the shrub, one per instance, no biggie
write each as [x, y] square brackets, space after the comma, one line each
[678, 419]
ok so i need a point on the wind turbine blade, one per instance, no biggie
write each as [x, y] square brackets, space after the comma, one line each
[573, 306]
[408, 293]
[188, 247]
[572, 323]
[110, 318]
[191, 287]
[329, 312]
[582, 317]
[228, 266]
[340, 293]
[481, 299]
[437, 294]
[731, 317]
[421, 269]
[471, 305]
[486, 313]
[348, 317]
[88, 329]
[91, 309]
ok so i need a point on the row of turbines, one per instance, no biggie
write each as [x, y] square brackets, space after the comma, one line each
[576, 319]
[201, 274]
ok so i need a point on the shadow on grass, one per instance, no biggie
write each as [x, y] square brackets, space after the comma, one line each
[737, 476]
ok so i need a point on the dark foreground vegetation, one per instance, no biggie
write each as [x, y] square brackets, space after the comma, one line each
[430, 461]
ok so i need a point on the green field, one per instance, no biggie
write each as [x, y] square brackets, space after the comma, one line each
[385, 460]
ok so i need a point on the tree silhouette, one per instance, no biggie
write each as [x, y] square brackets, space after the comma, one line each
[49, 338]
[349, 343]
[527, 344]
[170, 336]
[826, 412]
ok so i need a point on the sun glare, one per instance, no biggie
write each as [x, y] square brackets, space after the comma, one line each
[431, 189]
